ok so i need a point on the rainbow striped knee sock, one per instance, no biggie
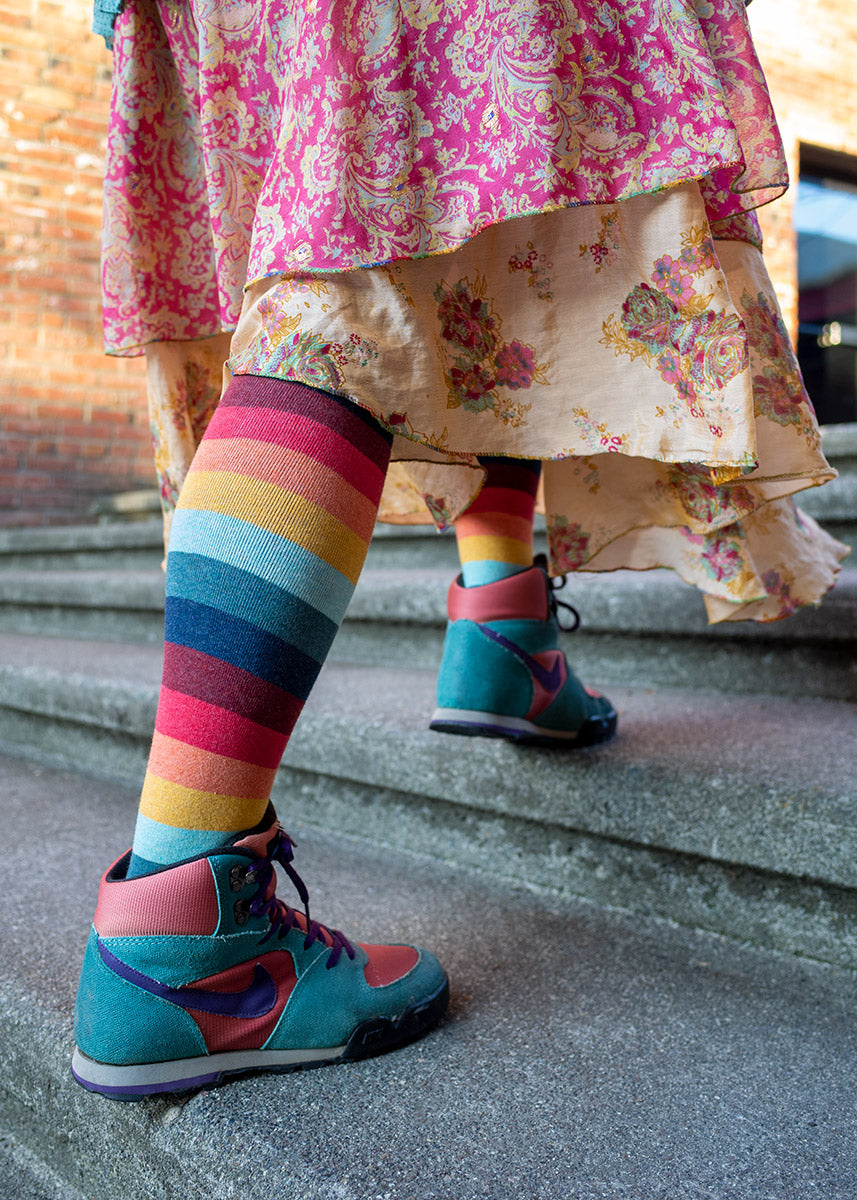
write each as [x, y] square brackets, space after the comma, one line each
[267, 543]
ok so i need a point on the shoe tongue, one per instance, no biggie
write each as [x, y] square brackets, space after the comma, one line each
[256, 843]
[257, 840]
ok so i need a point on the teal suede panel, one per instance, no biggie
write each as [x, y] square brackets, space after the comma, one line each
[533, 636]
[178, 961]
[569, 709]
[116, 1022]
[327, 1005]
[477, 673]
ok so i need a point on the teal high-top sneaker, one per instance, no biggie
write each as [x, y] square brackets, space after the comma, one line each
[503, 673]
[197, 971]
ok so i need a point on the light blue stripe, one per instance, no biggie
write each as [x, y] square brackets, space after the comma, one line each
[164, 844]
[268, 555]
[487, 570]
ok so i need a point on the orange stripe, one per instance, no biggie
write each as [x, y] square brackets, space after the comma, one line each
[494, 524]
[303, 475]
[203, 770]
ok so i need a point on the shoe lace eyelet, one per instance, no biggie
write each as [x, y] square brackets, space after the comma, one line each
[241, 912]
[238, 878]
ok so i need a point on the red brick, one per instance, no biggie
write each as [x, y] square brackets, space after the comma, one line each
[16, 425]
[58, 412]
[25, 481]
[10, 408]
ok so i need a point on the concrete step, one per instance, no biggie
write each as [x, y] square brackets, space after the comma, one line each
[132, 546]
[638, 627]
[588, 1055]
[24, 1176]
[839, 443]
[139, 546]
[835, 504]
[642, 628]
[734, 814]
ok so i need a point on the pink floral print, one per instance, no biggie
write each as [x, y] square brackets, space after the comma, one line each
[479, 363]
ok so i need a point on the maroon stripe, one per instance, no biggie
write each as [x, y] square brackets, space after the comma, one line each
[196, 674]
[509, 473]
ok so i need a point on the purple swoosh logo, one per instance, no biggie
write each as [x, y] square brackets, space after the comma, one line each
[549, 679]
[257, 1000]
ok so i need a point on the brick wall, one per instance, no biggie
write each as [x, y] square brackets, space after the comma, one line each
[72, 422]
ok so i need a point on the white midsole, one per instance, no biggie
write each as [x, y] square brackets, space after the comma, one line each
[109, 1075]
[473, 716]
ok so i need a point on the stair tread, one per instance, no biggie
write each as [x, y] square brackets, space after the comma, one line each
[696, 1065]
[763, 781]
[134, 534]
[649, 602]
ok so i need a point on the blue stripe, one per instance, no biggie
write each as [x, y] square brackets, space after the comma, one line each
[244, 595]
[161, 844]
[269, 556]
[240, 643]
[487, 570]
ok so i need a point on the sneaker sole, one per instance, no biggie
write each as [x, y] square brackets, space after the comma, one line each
[371, 1037]
[473, 723]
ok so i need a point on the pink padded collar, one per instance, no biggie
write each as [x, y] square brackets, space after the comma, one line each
[180, 900]
[522, 596]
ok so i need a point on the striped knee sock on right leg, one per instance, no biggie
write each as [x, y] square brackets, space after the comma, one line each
[495, 534]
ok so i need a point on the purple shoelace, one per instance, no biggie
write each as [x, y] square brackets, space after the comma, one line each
[282, 917]
[554, 585]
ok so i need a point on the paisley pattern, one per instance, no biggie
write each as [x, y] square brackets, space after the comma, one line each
[252, 138]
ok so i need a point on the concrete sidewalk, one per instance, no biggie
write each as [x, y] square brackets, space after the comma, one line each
[588, 1055]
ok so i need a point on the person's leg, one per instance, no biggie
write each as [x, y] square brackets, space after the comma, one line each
[503, 673]
[267, 543]
[495, 534]
[194, 969]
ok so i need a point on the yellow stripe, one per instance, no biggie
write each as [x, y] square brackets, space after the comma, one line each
[498, 549]
[186, 808]
[286, 514]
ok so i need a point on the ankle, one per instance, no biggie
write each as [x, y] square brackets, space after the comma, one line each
[482, 571]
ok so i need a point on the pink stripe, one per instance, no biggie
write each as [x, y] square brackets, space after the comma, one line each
[297, 432]
[197, 723]
[503, 500]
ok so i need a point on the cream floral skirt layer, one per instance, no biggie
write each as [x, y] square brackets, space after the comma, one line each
[642, 359]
